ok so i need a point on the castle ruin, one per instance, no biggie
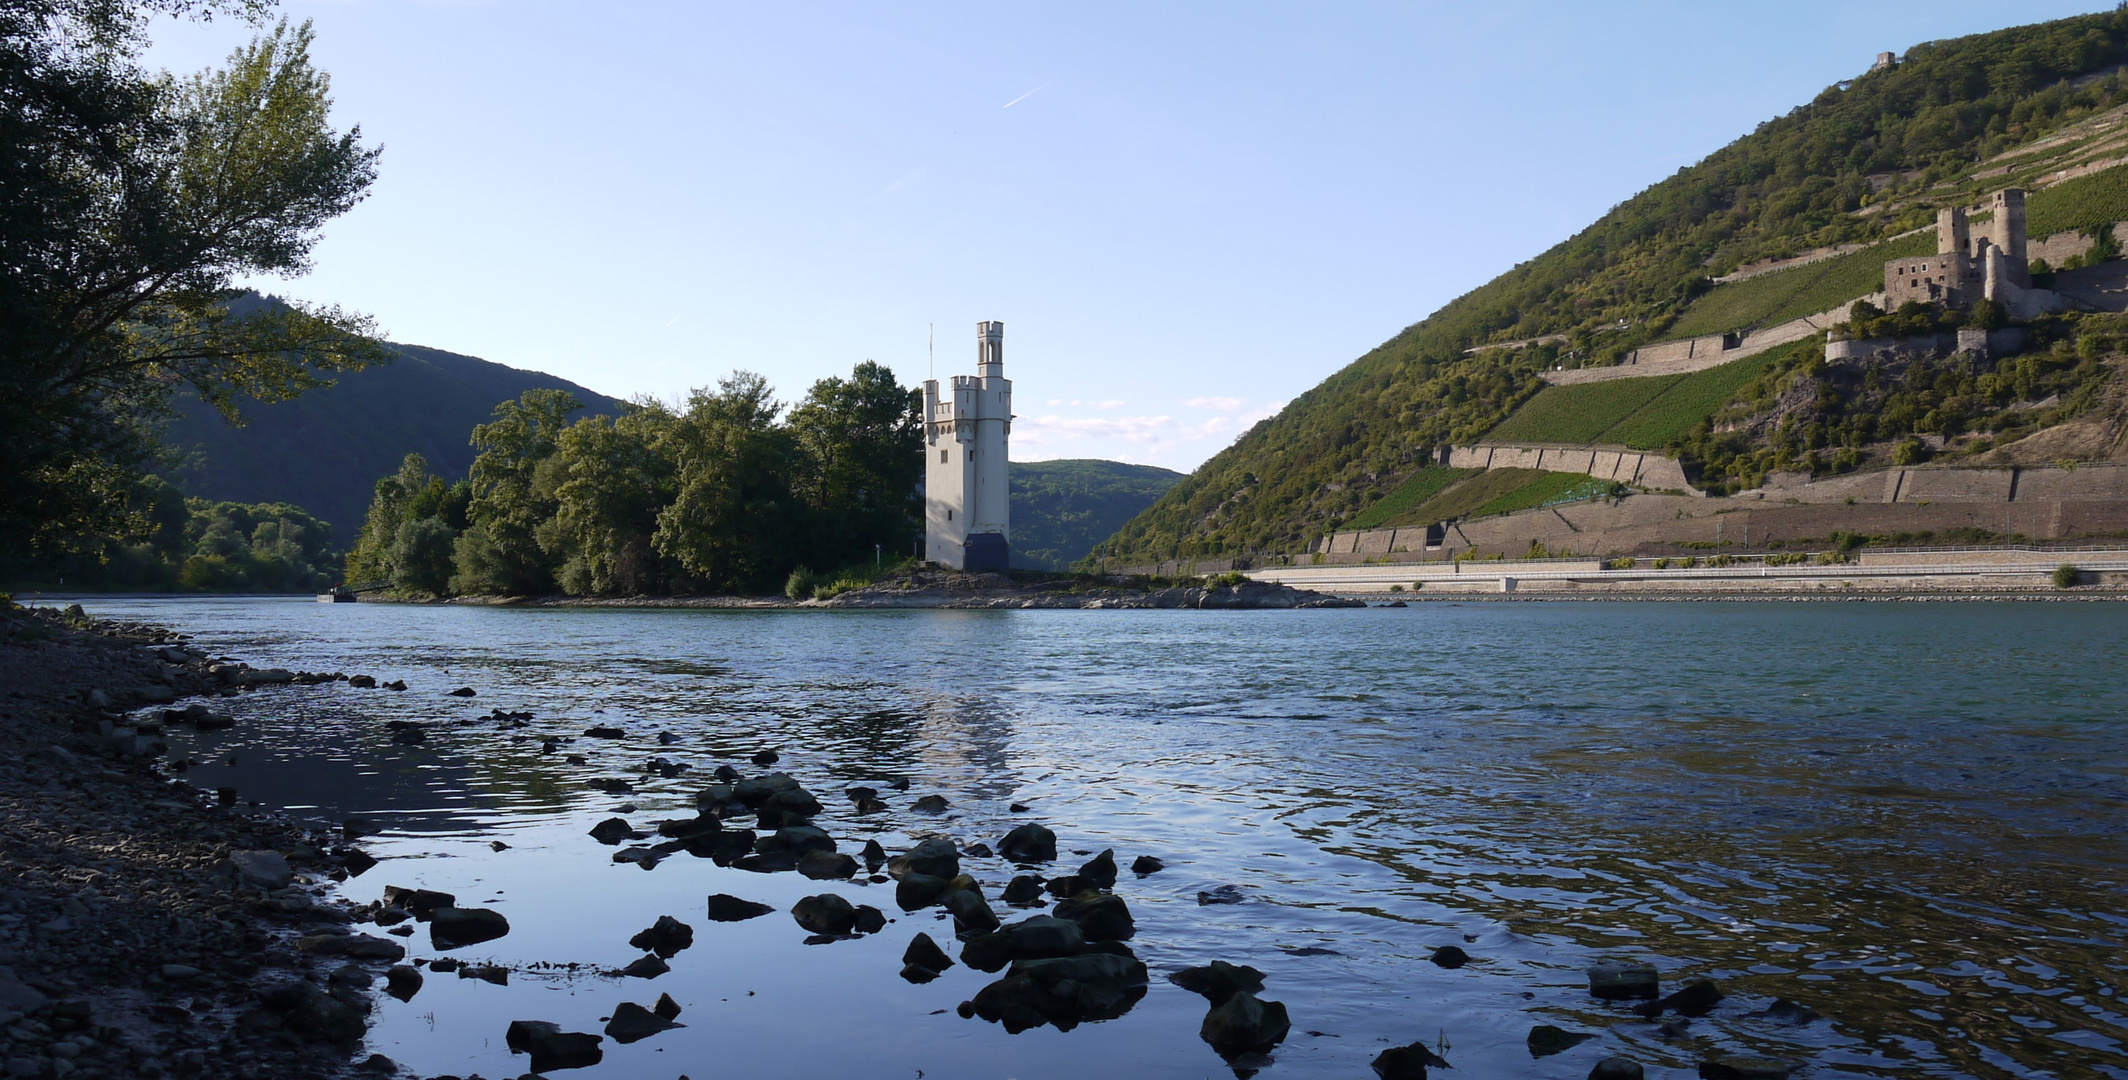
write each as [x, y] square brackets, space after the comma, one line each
[1967, 268]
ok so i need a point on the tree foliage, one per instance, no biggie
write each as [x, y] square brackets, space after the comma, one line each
[130, 203]
[198, 545]
[1860, 162]
[726, 494]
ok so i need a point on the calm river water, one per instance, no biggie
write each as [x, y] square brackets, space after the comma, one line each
[1910, 817]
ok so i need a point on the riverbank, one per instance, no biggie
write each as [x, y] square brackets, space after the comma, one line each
[147, 928]
[957, 590]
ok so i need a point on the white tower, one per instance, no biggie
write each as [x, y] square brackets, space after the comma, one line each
[967, 518]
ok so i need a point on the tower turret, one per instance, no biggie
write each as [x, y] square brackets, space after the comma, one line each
[967, 481]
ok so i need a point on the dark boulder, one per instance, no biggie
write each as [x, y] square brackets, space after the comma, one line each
[403, 981]
[1450, 956]
[1038, 938]
[1245, 1025]
[1028, 843]
[633, 1023]
[1219, 980]
[1615, 980]
[725, 773]
[859, 793]
[924, 952]
[1101, 916]
[797, 839]
[1784, 1011]
[646, 967]
[1617, 1068]
[723, 848]
[971, 913]
[665, 937]
[613, 831]
[1065, 991]
[690, 828]
[1407, 1062]
[666, 1007]
[869, 920]
[825, 913]
[1099, 871]
[775, 862]
[1064, 886]
[1695, 998]
[766, 757]
[915, 890]
[603, 732]
[873, 855]
[1223, 894]
[1545, 1040]
[827, 866]
[724, 907]
[417, 902]
[1023, 891]
[463, 691]
[935, 856]
[1146, 864]
[794, 802]
[551, 1047]
[454, 927]
[756, 791]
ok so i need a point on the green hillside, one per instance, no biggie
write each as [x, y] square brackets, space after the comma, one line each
[324, 451]
[1061, 509]
[1864, 161]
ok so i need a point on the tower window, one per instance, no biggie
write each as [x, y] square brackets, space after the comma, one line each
[949, 514]
[942, 456]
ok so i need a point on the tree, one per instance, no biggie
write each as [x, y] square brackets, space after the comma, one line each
[861, 444]
[130, 204]
[606, 510]
[733, 517]
[513, 492]
[410, 495]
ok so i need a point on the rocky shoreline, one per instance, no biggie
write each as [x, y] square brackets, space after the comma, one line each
[147, 928]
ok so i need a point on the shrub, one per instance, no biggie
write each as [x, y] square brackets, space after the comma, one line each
[1623, 562]
[841, 585]
[800, 584]
[1721, 560]
[1688, 562]
[1396, 588]
[1662, 563]
[1909, 452]
[2065, 576]
[1229, 580]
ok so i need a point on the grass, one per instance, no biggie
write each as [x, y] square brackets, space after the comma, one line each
[1578, 413]
[1548, 487]
[1688, 400]
[1416, 489]
[2086, 202]
[1770, 299]
[1460, 500]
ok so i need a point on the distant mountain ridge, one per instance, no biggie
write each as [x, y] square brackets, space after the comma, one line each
[324, 451]
[1061, 509]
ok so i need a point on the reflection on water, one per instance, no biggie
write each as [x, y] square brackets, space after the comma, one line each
[1827, 803]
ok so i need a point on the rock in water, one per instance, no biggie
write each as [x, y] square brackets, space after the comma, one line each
[1219, 980]
[417, 902]
[1245, 1025]
[1101, 916]
[1099, 871]
[1784, 1011]
[971, 913]
[766, 757]
[466, 691]
[1746, 1068]
[314, 1014]
[1023, 891]
[724, 907]
[665, 937]
[1619, 981]
[1029, 843]
[1450, 956]
[827, 866]
[633, 1023]
[1146, 864]
[666, 1007]
[874, 856]
[1407, 1062]
[403, 981]
[915, 890]
[870, 920]
[1617, 1068]
[825, 913]
[1696, 998]
[1545, 1040]
[925, 953]
[613, 831]
[1224, 894]
[936, 856]
[931, 804]
[452, 927]
[1065, 991]
[551, 1047]
[266, 870]
[646, 967]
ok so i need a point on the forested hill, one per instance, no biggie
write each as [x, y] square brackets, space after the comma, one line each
[324, 451]
[1061, 509]
[1864, 161]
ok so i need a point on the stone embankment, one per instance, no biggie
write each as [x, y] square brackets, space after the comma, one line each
[148, 929]
[945, 589]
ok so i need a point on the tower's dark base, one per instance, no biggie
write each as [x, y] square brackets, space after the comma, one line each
[985, 553]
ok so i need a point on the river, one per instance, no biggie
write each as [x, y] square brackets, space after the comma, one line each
[1910, 817]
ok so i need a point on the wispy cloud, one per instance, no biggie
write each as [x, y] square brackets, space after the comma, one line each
[1151, 437]
[1025, 96]
[1214, 404]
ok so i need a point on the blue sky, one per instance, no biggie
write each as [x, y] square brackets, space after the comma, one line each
[1185, 215]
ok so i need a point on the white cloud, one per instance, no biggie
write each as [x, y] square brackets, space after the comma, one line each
[1111, 404]
[1214, 404]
